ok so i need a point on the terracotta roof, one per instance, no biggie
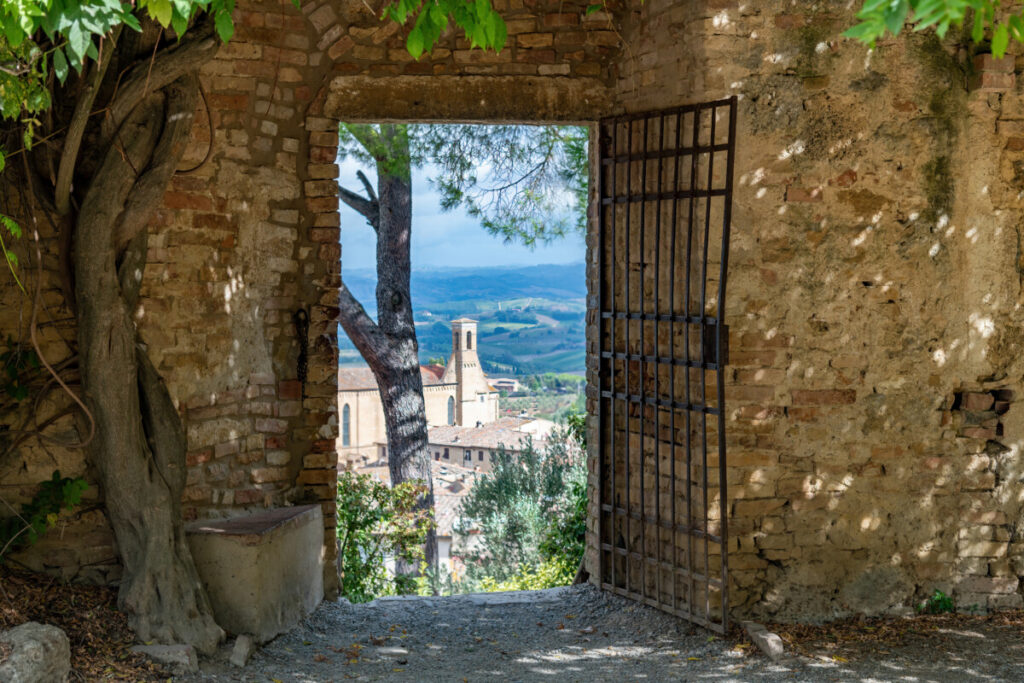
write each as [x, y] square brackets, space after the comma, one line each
[510, 432]
[357, 377]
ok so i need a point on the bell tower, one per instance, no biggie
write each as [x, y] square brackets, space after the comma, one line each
[464, 370]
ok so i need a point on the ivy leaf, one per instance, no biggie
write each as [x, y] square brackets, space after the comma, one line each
[161, 11]
[225, 27]
[1000, 40]
[594, 8]
[414, 43]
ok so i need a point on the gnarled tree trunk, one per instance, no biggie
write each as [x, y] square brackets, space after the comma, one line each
[112, 171]
[389, 346]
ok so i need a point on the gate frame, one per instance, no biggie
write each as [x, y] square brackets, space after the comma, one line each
[713, 332]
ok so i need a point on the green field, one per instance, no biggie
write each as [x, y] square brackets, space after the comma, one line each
[533, 324]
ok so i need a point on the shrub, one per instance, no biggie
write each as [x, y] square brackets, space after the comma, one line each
[40, 514]
[375, 522]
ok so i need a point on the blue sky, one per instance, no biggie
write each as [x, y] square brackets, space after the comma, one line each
[441, 238]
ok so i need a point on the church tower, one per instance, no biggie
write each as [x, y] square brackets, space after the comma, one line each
[475, 400]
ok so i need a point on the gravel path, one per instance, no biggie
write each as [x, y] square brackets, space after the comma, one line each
[578, 634]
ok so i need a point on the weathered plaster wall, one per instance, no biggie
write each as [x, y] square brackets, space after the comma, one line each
[874, 429]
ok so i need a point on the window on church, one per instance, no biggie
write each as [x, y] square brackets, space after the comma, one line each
[451, 410]
[469, 341]
[480, 456]
[346, 416]
[446, 454]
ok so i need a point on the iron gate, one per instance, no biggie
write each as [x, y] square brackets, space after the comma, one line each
[665, 188]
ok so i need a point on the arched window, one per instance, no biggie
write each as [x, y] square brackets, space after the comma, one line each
[455, 340]
[451, 410]
[469, 341]
[346, 435]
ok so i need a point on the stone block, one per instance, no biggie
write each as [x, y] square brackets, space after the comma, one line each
[768, 642]
[40, 653]
[263, 572]
[243, 649]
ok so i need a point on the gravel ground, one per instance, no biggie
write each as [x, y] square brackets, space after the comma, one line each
[581, 634]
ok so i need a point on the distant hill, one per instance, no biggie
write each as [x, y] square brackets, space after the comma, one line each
[531, 317]
[438, 286]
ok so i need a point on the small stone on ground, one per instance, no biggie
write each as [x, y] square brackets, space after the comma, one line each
[34, 653]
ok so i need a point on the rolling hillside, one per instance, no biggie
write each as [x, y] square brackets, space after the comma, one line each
[531, 318]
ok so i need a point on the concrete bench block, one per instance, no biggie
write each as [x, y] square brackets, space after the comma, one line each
[263, 572]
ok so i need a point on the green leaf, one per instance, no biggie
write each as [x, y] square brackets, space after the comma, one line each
[1000, 40]
[60, 66]
[594, 8]
[414, 43]
[896, 16]
[161, 10]
[224, 25]
[978, 32]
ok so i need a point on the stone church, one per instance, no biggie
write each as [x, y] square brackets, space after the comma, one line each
[457, 394]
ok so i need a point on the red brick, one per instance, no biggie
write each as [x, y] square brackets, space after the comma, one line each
[822, 397]
[322, 446]
[845, 179]
[344, 44]
[187, 200]
[289, 389]
[992, 81]
[802, 414]
[197, 493]
[248, 496]
[215, 221]
[226, 448]
[561, 19]
[318, 476]
[790, 21]
[990, 63]
[198, 457]
[228, 102]
[324, 234]
[535, 56]
[978, 401]
[801, 194]
[978, 433]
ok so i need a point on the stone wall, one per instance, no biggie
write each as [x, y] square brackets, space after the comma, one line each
[874, 430]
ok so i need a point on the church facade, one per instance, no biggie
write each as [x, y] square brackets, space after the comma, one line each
[457, 394]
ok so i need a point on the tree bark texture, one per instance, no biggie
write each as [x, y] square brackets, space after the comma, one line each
[389, 346]
[140, 444]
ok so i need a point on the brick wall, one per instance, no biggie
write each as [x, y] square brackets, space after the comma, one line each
[874, 294]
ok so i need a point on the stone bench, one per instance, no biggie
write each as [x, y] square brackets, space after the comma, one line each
[263, 572]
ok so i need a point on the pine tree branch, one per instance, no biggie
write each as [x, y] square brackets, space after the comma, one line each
[369, 208]
[369, 339]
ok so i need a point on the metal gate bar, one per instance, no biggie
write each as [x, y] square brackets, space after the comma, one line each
[665, 207]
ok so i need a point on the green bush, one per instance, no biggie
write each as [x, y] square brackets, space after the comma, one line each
[937, 603]
[41, 513]
[531, 510]
[375, 522]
